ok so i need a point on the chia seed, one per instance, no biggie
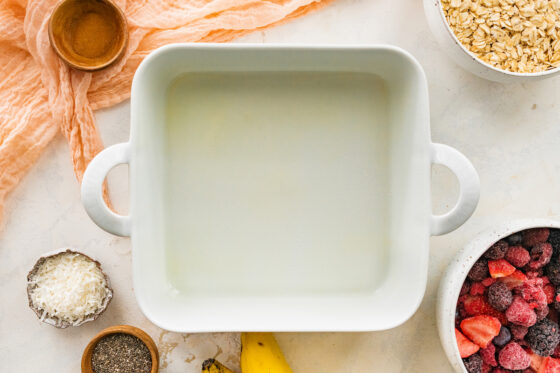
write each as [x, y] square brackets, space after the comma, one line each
[122, 353]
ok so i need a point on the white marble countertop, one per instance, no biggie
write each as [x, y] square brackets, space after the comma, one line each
[509, 132]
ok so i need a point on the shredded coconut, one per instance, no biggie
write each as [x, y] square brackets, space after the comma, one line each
[68, 286]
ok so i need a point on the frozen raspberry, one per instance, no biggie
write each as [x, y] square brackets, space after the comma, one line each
[518, 256]
[554, 239]
[541, 254]
[534, 273]
[496, 251]
[473, 364]
[520, 313]
[518, 332]
[543, 337]
[534, 236]
[499, 296]
[477, 289]
[552, 270]
[541, 312]
[479, 271]
[514, 357]
[488, 355]
[503, 338]
[533, 293]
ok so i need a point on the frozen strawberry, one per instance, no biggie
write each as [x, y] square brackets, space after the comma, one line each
[513, 357]
[549, 365]
[488, 281]
[518, 256]
[541, 254]
[488, 355]
[536, 360]
[478, 305]
[520, 313]
[534, 236]
[477, 289]
[500, 268]
[466, 347]
[486, 368]
[475, 306]
[514, 280]
[481, 329]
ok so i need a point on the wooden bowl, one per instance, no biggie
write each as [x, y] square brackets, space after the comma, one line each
[88, 34]
[117, 329]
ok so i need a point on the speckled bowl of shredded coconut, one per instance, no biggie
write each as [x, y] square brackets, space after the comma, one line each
[517, 36]
[68, 288]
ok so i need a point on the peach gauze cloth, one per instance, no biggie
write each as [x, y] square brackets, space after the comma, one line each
[40, 95]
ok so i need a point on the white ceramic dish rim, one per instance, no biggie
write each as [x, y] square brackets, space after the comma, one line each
[475, 58]
[439, 154]
[456, 273]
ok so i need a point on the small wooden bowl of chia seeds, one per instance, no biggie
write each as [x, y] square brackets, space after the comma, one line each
[121, 348]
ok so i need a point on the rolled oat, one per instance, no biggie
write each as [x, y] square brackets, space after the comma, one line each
[515, 35]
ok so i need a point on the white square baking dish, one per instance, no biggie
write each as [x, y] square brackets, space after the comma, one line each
[279, 188]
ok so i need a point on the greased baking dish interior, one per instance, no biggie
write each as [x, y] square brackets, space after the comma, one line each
[282, 188]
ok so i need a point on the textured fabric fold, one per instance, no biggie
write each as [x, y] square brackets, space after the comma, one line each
[40, 96]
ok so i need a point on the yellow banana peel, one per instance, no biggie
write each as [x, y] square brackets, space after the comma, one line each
[260, 353]
[214, 366]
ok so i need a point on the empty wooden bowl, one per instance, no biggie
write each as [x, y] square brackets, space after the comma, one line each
[118, 329]
[88, 34]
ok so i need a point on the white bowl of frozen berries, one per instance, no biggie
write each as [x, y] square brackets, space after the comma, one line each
[499, 301]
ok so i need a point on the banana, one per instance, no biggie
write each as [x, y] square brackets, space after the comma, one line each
[214, 366]
[260, 353]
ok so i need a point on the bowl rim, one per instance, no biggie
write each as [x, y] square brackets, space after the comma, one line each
[120, 329]
[90, 68]
[461, 264]
[474, 57]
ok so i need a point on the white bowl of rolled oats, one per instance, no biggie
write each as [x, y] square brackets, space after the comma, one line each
[499, 40]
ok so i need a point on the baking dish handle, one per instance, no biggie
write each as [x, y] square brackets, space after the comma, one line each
[92, 189]
[469, 193]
